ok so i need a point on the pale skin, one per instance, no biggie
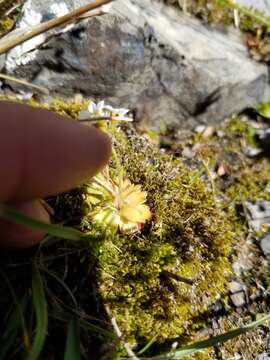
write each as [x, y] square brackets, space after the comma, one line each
[42, 154]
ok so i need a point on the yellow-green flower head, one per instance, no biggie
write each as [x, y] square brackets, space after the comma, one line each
[117, 204]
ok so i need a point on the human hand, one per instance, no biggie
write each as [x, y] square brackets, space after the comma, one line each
[42, 154]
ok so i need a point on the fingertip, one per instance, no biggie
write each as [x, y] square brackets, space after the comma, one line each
[103, 147]
[43, 154]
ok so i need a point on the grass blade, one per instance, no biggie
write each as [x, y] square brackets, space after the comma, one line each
[16, 321]
[72, 349]
[60, 231]
[40, 306]
[254, 14]
[97, 329]
[213, 341]
[15, 324]
[147, 346]
[63, 284]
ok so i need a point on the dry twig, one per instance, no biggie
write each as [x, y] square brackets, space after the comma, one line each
[24, 83]
[119, 334]
[17, 38]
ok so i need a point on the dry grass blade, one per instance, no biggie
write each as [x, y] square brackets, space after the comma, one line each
[24, 83]
[131, 354]
[8, 43]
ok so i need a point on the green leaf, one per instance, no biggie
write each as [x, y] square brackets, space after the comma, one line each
[147, 346]
[41, 313]
[72, 349]
[64, 232]
[264, 110]
[215, 340]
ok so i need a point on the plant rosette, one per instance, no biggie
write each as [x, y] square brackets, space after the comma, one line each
[117, 204]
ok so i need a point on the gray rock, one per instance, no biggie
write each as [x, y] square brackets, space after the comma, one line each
[265, 243]
[35, 12]
[251, 151]
[263, 356]
[237, 294]
[263, 138]
[163, 65]
[259, 214]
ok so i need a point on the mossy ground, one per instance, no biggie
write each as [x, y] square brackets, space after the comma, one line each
[192, 235]
[187, 237]
[244, 179]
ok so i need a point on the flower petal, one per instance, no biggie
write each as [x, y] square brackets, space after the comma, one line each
[139, 214]
[92, 107]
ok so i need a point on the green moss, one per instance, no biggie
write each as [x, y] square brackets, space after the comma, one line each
[247, 178]
[188, 236]
[264, 109]
[68, 107]
[7, 22]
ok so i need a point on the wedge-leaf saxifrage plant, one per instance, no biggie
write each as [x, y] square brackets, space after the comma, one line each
[117, 203]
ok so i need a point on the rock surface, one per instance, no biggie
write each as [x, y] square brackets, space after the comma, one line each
[162, 65]
[237, 294]
[263, 138]
[259, 214]
[263, 356]
[35, 12]
[265, 244]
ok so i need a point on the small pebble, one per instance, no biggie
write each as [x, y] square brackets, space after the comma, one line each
[251, 151]
[265, 243]
[200, 129]
[237, 294]
[188, 153]
[263, 356]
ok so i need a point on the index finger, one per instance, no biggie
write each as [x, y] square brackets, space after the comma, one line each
[43, 154]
